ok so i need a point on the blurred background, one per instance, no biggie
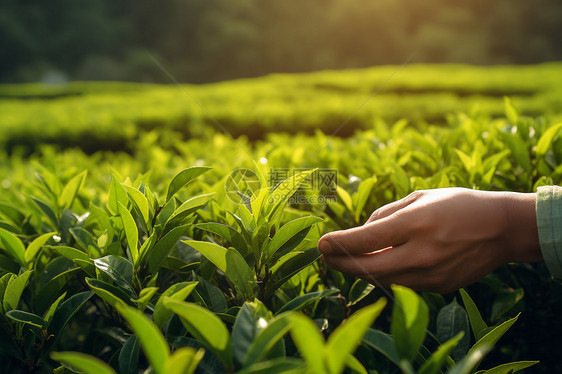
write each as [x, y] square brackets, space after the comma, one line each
[212, 40]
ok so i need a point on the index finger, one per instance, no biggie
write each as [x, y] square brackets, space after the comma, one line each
[386, 232]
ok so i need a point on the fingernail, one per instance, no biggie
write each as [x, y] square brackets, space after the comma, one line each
[324, 245]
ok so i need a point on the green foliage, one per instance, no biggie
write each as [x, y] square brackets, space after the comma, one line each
[166, 273]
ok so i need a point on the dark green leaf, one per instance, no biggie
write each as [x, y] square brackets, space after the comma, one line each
[438, 359]
[26, 317]
[119, 269]
[451, 320]
[163, 247]
[65, 312]
[301, 302]
[383, 343]
[288, 266]
[108, 292]
[129, 356]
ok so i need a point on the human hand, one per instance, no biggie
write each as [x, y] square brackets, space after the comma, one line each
[438, 240]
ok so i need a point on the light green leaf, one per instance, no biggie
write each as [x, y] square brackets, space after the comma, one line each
[178, 291]
[131, 231]
[185, 209]
[34, 247]
[276, 366]
[144, 297]
[184, 177]
[547, 139]
[250, 321]
[71, 189]
[117, 195]
[204, 326]
[359, 290]
[345, 198]
[227, 232]
[410, 317]
[140, 201]
[267, 338]
[362, 195]
[14, 290]
[510, 111]
[476, 322]
[470, 361]
[13, 246]
[308, 341]
[184, 361]
[347, 337]
[83, 362]
[53, 308]
[511, 367]
[289, 236]
[230, 262]
[490, 339]
[439, 358]
[281, 194]
[153, 343]
[288, 266]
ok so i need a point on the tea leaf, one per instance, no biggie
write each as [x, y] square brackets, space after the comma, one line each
[383, 343]
[129, 356]
[303, 301]
[410, 317]
[346, 338]
[14, 290]
[153, 343]
[230, 262]
[183, 178]
[83, 362]
[13, 246]
[439, 358]
[71, 189]
[267, 338]
[183, 361]
[178, 291]
[308, 341]
[476, 322]
[204, 326]
[131, 231]
[451, 320]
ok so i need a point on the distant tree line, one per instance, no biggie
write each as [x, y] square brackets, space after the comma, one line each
[211, 40]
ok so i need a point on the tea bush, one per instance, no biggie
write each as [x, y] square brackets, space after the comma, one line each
[143, 261]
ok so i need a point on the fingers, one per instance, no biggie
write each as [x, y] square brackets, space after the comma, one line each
[379, 266]
[388, 209]
[384, 233]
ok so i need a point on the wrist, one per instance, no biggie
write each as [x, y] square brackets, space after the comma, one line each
[522, 238]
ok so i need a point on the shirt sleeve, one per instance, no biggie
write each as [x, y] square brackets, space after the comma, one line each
[549, 224]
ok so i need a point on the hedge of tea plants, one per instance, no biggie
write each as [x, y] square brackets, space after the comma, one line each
[145, 260]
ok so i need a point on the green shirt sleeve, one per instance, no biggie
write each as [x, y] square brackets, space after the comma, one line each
[549, 224]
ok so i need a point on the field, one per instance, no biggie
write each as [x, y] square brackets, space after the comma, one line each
[123, 239]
